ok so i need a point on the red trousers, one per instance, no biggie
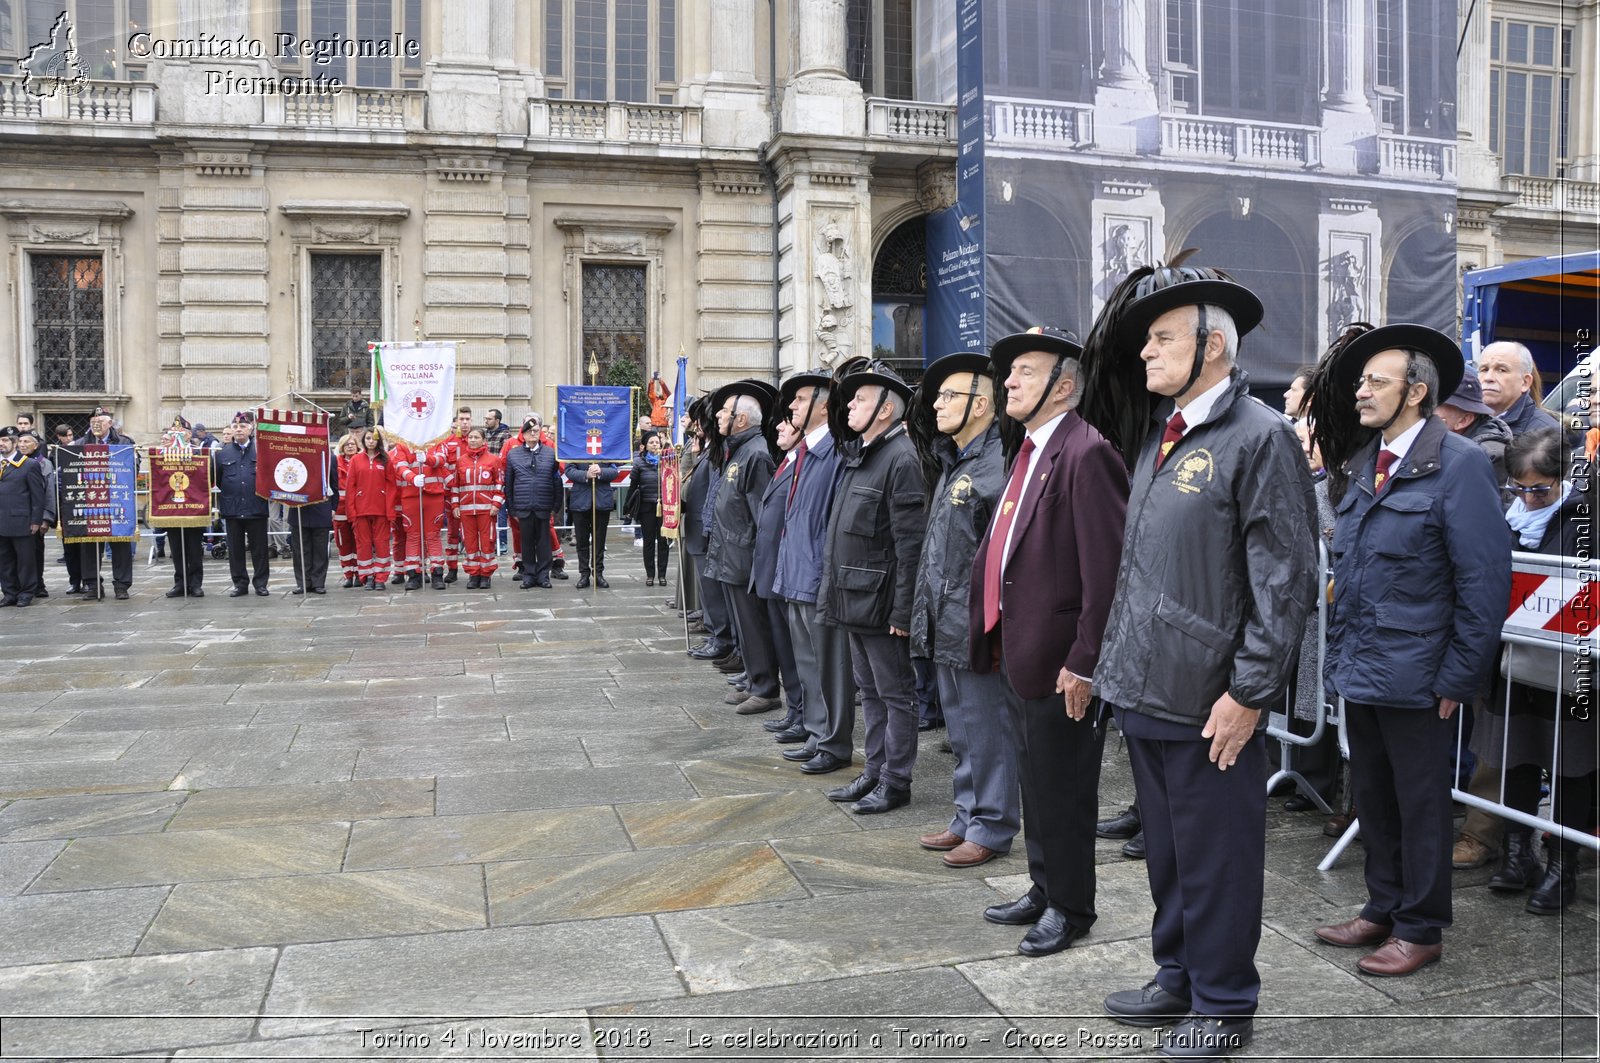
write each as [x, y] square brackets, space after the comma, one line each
[428, 530]
[454, 526]
[373, 537]
[480, 539]
[344, 540]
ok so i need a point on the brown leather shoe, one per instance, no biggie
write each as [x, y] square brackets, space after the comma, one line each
[1469, 852]
[1354, 934]
[1397, 958]
[942, 842]
[968, 854]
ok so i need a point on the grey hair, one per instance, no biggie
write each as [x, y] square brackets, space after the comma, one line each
[747, 407]
[894, 403]
[1071, 367]
[1219, 320]
[1421, 370]
[1524, 356]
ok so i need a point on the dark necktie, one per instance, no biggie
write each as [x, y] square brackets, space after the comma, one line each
[794, 481]
[1385, 459]
[1170, 437]
[994, 560]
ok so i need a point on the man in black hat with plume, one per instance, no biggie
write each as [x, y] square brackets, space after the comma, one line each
[1041, 591]
[869, 574]
[1421, 577]
[954, 425]
[741, 412]
[1217, 576]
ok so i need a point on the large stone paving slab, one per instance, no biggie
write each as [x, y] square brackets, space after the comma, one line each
[295, 908]
[35, 749]
[75, 778]
[484, 838]
[561, 787]
[627, 883]
[139, 1004]
[21, 862]
[832, 937]
[208, 771]
[197, 856]
[78, 817]
[880, 859]
[468, 757]
[80, 926]
[259, 806]
[746, 817]
[502, 971]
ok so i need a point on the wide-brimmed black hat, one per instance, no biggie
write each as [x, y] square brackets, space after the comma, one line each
[944, 368]
[763, 392]
[1168, 287]
[817, 377]
[875, 372]
[1441, 350]
[1045, 338]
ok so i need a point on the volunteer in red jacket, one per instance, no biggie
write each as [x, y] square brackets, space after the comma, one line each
[436, 475]
[368, 502]
[344, 533]
[478, 498]
[454, 444]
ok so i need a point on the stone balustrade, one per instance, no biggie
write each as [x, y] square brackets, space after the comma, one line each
[907, 120]
[1241, 140]
[1032, 124]
[1555, 194]
[1416, 157]
[350, 108]
[578, 121]
[99, 103]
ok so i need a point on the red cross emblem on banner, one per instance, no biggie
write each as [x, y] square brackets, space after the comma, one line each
[593, 445]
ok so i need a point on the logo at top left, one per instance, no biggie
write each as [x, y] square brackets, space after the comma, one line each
[53, 67]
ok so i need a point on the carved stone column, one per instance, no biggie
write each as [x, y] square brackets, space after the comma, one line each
[1348, 122]
[1126, 44]
[1475, 166]
[820, 99]
[818, 29]
[1125, 100]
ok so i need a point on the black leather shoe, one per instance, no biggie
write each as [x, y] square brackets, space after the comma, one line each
[526, 584]
[790, 735]
[883, 798]
[1299, 803]
[582, 584]
[1051, 934]
[729, 665]
[544, 583]
[197, 593]
[798, 755]
[790, 719]
[556, 573]
[452, 575]
[262, 591]
[1134, 850]
[1199, 1037]
[319, 590]
[121, 594]
[1123, 826]
[707, 651]
[603, 583]
[1149, 1006]
[823, 763]
[1020, 912]
[176, 592]
[854, 790]
[297, 590]
[237, 592]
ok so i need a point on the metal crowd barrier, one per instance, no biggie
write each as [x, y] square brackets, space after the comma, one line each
[1553, 609]
[1278, 723]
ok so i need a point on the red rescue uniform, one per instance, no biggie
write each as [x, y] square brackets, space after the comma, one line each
[479, 496]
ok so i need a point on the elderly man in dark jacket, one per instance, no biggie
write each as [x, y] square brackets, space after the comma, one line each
[1507, 373]
[869, 576]
[822, 651]
[770, 528]
[953, 418]
[1421, 576]
[243, 512]
[310, 527]
[102, 429]
[1218, 569]
[533, 493]
[590, 505]
[22, 505]
[741, 409]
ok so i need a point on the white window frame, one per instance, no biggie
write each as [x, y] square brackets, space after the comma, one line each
[662, 91]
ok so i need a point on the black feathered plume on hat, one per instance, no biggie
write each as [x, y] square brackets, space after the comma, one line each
[716, 448]
[1336, 427]
[838, 412]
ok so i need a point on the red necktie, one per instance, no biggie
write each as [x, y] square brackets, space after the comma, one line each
[1170, 437]
[995, 558]
[794, 482]
[1385, 459]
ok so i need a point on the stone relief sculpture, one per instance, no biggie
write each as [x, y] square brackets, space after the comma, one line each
[835, 301]
[1124, 252]
[1345, 282]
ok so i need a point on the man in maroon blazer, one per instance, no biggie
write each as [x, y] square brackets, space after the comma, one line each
[1042, 583]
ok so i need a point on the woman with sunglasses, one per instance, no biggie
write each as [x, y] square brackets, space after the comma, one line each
[1553, 495]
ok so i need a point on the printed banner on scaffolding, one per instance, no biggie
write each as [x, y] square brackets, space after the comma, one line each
[594, 423]
[98, 485]
[416, 382]
[180, 487]
[291, 456]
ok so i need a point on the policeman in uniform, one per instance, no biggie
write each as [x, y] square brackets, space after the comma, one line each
[21, 516]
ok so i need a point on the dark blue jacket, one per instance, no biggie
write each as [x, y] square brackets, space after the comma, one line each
[696, 536]
[1421, 575]
[799, 570]
[1525, 415]
[605, 498]
[532, 481]
[236, 480]
[770, 532]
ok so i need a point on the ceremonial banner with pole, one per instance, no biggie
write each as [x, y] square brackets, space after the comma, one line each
[97, 482]
[594, 423]
[291, 456]
[416, 382]
[180, 487]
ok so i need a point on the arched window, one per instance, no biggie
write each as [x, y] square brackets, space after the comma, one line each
[1034, 272]
[624, 50]
[899, 295]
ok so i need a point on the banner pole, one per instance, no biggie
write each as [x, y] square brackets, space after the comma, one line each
[300, 552]
[594, 535]
[183, 561]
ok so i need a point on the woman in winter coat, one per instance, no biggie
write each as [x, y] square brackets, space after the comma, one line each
[646, 498]
[344, 533]
[368, 502]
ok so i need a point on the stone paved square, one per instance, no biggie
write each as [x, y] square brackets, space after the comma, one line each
[257, 827]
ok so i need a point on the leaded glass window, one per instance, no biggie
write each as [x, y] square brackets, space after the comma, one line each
[624, 50]
[346, 314]
[370, 28]
[614, 315]
[1529, 97]
[878, 47]
[69, 324]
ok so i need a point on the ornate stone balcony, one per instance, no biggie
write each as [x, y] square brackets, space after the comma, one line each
[1554, 194]
[350, 108]
[908, 121]
[1241, 140]
[91, 103]
[1038, 125]
[582, 122]
[1416, 157]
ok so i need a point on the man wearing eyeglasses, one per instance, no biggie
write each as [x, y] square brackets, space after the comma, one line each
[1422, 574]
